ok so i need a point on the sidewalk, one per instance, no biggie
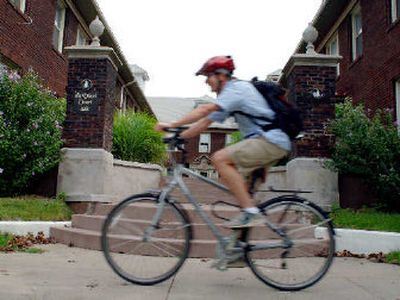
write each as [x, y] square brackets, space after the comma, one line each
[72, 273]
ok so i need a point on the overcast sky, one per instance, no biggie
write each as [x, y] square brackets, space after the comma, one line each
[172, 39]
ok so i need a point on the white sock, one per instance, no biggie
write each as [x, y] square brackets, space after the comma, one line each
[252, 210]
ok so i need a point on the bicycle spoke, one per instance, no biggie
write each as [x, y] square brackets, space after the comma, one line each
[144, 245]
[309, 227]
[309, 256]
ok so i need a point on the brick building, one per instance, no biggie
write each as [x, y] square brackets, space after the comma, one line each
[366, 33]
[34, 33]
[199, 149]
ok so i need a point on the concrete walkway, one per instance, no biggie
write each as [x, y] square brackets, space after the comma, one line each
[72, 273]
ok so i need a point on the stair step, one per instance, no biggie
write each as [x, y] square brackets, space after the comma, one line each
[89, 239]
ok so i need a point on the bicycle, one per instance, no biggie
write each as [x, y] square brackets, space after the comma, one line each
[292, 250]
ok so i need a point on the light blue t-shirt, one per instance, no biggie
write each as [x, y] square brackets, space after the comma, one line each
[242, 96]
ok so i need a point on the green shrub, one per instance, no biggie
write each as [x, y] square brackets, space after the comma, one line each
[30, 131]
[134, 138]
[370, 148]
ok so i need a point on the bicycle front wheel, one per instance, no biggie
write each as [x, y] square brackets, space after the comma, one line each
[309, 247]
[140, 252]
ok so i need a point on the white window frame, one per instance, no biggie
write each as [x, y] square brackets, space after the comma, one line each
[397, 97]
[395, 10]
[205, 143]
[60, 31]
[354, 35]
[329, 51]
[20, 4]
[82, 37]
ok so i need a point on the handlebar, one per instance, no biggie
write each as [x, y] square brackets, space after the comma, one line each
[175, 139]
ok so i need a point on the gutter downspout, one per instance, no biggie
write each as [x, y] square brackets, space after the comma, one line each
[122, 94]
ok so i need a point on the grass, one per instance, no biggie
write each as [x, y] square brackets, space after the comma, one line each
[393, 257]
[4, 239]
[33, 251]
[32, 208]
[366, 219]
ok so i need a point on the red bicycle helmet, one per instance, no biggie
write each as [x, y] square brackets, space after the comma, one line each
[217, 64]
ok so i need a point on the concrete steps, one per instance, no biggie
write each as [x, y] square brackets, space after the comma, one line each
[85, 230]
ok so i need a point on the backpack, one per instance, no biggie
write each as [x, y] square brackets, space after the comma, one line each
[287, 117]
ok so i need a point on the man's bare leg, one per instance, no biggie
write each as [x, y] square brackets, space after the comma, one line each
[232, 178]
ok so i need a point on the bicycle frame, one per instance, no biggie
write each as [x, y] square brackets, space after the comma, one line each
[177, 180]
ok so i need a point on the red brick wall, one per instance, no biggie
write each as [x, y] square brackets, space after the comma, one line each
[370, 78]
[30, 45]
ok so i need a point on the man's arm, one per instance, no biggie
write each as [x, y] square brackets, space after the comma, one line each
[196, 128]
[194, 116]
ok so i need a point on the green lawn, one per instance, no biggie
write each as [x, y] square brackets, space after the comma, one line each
[366, 219]
[34, 209]
[393, 257]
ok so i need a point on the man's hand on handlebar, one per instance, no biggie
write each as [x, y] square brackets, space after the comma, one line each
[162, 126]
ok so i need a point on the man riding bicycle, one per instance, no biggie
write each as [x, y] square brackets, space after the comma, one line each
[258, 148]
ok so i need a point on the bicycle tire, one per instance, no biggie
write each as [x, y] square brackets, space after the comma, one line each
[271, 266]
[138, 211]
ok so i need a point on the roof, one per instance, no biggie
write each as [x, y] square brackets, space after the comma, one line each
[168, 109]
[89, 10]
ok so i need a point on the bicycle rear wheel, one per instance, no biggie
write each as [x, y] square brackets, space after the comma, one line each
[301, 264]
[139, 252]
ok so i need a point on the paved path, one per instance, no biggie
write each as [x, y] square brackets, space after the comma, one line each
[72, 273]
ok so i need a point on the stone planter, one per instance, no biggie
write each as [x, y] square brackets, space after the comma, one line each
[354, 192]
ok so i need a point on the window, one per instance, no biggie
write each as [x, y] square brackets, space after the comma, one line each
[397, 95]
[205, 143]
[20, 4]
[395, 10]
[332, 48]
[356, 25]
[81, 37]
[59, 22]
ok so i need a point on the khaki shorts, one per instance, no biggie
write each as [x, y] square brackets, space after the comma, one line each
[251, 154]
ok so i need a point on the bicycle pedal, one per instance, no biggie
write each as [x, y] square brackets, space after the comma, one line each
[220, 264]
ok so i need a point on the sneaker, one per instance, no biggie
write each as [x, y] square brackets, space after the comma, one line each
[244, 220]
[237, 263]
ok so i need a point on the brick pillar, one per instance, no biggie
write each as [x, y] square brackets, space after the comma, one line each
[311, 80]
[92, 75]
[86, 169]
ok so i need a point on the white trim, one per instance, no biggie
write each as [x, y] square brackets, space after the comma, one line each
[334, 39]
[397, 97]
[22, 5]
[80, 33]
[60, 31]
[205, 138]
[19, 4]
[394, 11]
[354, 35]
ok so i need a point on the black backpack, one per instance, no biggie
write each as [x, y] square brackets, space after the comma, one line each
[287, 117]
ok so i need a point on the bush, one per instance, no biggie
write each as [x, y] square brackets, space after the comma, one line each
[370, 148]
[30, 134]
[134, 138]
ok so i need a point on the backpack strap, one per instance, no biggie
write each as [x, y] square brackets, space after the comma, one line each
[266, 127]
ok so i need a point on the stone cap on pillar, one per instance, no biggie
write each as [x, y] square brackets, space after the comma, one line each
[310, 58]
[94, 52]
